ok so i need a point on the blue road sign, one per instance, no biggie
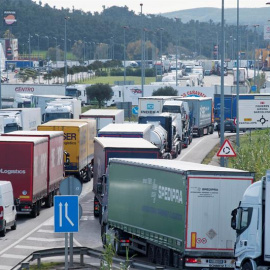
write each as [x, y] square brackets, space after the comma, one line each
[253, 88]
[135, 110]
[66, 214]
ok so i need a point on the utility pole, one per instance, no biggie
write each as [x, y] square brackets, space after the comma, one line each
[142, 52]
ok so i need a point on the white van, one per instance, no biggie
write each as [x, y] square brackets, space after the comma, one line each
[8, 214]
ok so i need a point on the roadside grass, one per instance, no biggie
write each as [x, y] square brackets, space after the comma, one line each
[211, 154]
[111, 79]
[46, 266]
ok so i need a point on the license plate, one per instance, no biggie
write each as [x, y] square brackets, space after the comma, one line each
[216, 261]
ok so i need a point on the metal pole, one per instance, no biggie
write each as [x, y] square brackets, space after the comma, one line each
[71, 249]
[142, 53]
[65, 53]
[66, 251]
[237, 75]
[254, 66]
[177, 43]
[125, 55]
[222, 84]
[161, 50]
[29, 48]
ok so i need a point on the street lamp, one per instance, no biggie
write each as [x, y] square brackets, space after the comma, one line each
[29, 44]
[254, 65]
[48, 41]
[237, 77]
[161, 29]
[142, 52]
[177, 43]
[38, 58]
[125, 27]
[65, 52]
[84, 51]
[55, 50]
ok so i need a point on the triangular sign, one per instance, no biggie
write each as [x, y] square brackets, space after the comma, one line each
[226, 150]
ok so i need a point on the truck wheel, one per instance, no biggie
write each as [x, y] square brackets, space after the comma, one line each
[190, 139]
[38, 207]
[247, 266]
[179, 148]
[34, 211]
[49, 201]
[4, 231]
[159, 255]
[211, 130]
[199, 132]
[167, 257]
[176, 260]
[151, 253]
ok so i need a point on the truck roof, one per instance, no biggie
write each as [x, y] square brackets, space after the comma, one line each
[52, 134]
[138, 143]
[176, 165]
[35, 140]
[132, 128]
[173, 102]
[194, 98]
[157, 97]
[100, 112]
[63, 124]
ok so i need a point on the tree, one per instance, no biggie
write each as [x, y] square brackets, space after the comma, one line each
[165, 91]
[101, 92]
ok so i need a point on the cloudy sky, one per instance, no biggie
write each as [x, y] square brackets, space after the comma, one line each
[152, 6]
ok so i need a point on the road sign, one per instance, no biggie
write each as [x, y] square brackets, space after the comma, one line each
[253, 88]
[235, 121]
[226, 150]
[70, 186]
[135, 110]
[66, 214]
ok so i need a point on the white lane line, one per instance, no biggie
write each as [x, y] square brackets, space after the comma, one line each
[45, 239]
[46, 231]
[13, 256]
[21, 239]
[31, 247]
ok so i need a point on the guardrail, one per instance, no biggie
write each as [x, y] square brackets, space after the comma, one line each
[82, 251]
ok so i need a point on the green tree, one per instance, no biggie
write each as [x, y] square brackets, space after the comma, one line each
[165, 91]
[101, 92]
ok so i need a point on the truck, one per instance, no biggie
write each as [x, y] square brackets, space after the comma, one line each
[131, 130]
[151, 105]
[21, 119]
[174, 212]
[10, 90]
[242, 75]
[104, 117]
[62, 108]
[22, 100]
[201, 115]
[251, 222]
[107, 148]
[78, 91]
[172, 145]
[180, 108]
[1, 124]
[76, 143]
[55, 159]
[41, 101]
[24, 162]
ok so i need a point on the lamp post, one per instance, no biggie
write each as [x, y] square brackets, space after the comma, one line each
[142, 53]
[38, 59]
[48, 41]
[177, 43]
[125, 69]
[237, 77]
[161, 29]
[29, 45]
[65, 52]
[217, 47]
[55, 51]
[84, 51]
[254, 65]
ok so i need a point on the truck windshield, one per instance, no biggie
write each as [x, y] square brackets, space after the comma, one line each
[10, 128]
[171, 109]
[26, 104]
[53, 116]
[73, 92]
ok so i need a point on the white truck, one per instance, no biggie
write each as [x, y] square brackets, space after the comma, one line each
[41, 101]
[21, 119]
[242, 75]
[1, 124]
[22, 100]
[10, 90]
[104, 117]
[62, 108]
[251, 220]
[78, 91]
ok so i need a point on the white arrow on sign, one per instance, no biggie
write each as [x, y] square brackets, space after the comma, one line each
[66, 215]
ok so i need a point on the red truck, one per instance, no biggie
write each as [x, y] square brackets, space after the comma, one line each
[55, 171]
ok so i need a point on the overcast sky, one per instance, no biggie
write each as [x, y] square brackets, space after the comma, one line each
[152, 6]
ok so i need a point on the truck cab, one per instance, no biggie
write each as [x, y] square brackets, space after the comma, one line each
[12, 121]
[251, 222]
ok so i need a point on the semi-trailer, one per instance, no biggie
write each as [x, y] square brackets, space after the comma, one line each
[55, 159]
[23, 162]
[106, 148]
[104, 117]
[76, 143]
[176, 213]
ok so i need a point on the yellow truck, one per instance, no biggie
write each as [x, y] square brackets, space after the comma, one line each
[78, 143]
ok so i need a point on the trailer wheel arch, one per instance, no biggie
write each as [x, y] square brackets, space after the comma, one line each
[249, 264]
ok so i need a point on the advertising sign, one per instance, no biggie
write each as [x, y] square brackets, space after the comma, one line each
[10, 18]
[267, 32]
[254, 113]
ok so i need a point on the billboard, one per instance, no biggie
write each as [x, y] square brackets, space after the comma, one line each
[267, 32]
[10, 18]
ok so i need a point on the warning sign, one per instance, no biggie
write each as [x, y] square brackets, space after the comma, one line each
[226, 150]
[254, 113]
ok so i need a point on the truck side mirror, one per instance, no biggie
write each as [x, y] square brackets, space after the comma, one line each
[99, 188]
[233, 219]
[16, 201]
[67, 161]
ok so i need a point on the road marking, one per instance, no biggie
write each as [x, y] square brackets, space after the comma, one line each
[13, 256]
[18, 241]
[45, 239]
[32, 247]
[87, 218]
[46, 231]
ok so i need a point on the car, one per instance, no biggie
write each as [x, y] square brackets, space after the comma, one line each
[229, 126]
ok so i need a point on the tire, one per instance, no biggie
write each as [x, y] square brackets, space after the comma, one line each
[151, 254]
[49, 201]
[38, 207]
[199, 132]
[180, 148]
[3, 232]
[159, 256]
[34, 211]
[167, 257]
[14, 226]
[100, 213]
[211, 130]
[190, 139]
[247, 266]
